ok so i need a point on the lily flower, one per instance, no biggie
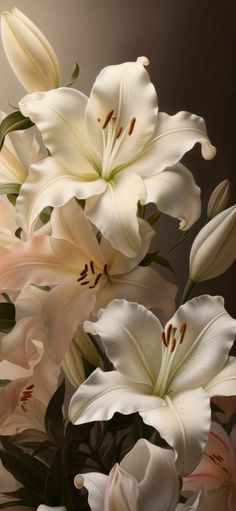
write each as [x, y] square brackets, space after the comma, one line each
[113, 149]
[131, 486]
[216, 472]
[167, 374]
[24, 400]
[85, 275]
[29, 53]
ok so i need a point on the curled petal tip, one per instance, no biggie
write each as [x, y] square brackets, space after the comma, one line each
[79, 481]
[208, 151]
[143, 60]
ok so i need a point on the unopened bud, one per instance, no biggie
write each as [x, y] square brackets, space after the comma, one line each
[29, 53]
[214, 249]
[81, 348]
[218, 199]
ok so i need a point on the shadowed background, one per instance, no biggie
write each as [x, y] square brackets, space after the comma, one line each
[191, 46]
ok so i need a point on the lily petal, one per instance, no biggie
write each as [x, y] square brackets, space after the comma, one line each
[115, 212]
[175, 193]
[59, 116]
[184, 423]
[174, 136]
[133, 347]
[65, 308]
[69, 223]
[103, 394]
[50, 183]
[126, 89]
[143, 285]
[224, 383]
[206, 343]
[142, 462]
[95, 482]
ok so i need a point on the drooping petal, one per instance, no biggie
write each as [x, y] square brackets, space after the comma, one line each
[175, 193]
[65, 308]
[115, 212]
[59, 115]
[126, 90]
[143, 285]
[117, 262]
[95, 482]
[68, 223]
[184, 423]
[206, 342]
[103, 394]
[121, 491]
[50, 183]
[174, 136]
[142, 462]
[135, 346]
[224, 383]
[32, 262]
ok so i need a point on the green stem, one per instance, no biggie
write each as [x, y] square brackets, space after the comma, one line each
[141, 210]
[188, 289]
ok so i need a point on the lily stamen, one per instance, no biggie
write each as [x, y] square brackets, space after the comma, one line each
[131, 126]
[26, 395]
[107, 119]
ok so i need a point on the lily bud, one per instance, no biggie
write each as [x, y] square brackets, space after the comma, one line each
[121, 491]
[214, 249]
[81, 347]
[218, 199]
[29, 53]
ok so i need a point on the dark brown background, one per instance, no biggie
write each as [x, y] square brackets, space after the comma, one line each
[191, 47]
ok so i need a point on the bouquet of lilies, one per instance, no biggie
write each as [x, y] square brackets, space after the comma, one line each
[107, 387]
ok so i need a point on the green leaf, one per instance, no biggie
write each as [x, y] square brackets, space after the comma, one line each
[3, 383]
[9, 189]
[153, 218]
[54, 418]
[54, 488]
[12, 122]
[26, 469]
[7, 316]
[74, 75]
[154, 257]
[179, 242]
[13, 503]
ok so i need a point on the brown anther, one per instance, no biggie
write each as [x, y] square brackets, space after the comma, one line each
[211, 457]
[92, 287]
[27, 393]
[30, 387]
[98, 119]
[168, 333]
[97, 279]
[85, 270]
[23, 398]
[107, 119]
[84, 283]
[225, 470]
[220, 458]
[182, 331]
[164, 338]
[82, 278]
[92, 267]
[23, 408]
[119, 132]
[173, 344]
[131, 126]
[105, 269]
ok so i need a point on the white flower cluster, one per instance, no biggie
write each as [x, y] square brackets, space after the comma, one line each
[74, 265]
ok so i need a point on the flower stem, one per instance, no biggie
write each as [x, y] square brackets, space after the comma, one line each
[187, 291]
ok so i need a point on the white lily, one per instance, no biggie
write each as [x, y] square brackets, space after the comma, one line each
[8, 224]
[166, 374]
[218, 199]
[111, 149]
[29, 53]
[86, 275]
[216, 473]
[145, 480]
[24, 400]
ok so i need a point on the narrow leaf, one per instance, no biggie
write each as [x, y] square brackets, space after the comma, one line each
[153, 218]
[29, 471]
[7, 316]
[3, 383]
[12, 122]
[74, 75]
[54, 418]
